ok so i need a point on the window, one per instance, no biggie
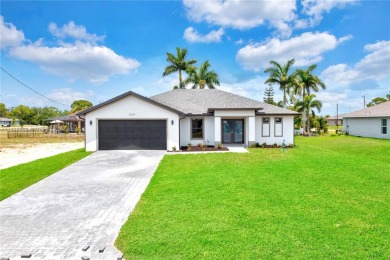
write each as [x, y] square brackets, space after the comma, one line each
[384, 126]
[266, 128]
[197, 129]
[278, 126]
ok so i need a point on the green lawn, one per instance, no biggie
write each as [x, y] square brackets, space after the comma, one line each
[327, 198]
[19, 177]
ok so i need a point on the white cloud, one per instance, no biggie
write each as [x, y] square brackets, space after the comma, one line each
[9, 35]
[305, 49]
[241, 14]
[68, 95]
[374, 66]
[315, 9]
[191, 35]
[78, 32]
[239, 42]
[84, 61]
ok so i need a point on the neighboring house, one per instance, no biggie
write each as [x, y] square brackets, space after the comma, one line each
[5, 121]
[178, 117]
[72, 121]
[8, 121]
[335, 120]
[369, 122]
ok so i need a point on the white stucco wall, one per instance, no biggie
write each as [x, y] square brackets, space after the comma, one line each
[129, 108]
[366, 127]
[288, 130]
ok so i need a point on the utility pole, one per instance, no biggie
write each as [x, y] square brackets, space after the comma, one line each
[364, 100]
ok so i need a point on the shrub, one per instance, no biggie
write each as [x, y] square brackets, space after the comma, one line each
[263, 145]
[219, 146]
[275, 145]
[257, 144]
[174, 148]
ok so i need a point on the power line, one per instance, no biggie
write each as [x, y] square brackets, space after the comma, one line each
[9, 74]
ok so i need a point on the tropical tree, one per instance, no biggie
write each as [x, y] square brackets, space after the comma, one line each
[23, 113]
[376, 101]
[280, 74]
[305, 81]
[306, 106]
[179, 64]
[79, 105]
[202, 77]
[269, 96]
[3, 110]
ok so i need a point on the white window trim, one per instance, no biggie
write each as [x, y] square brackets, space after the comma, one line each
[196, 118]
[278, 123]
[262, 127]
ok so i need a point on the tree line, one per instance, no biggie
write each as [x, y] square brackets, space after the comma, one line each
[39, 115]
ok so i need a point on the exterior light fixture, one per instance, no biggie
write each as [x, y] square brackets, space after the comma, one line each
[172, 122]
[90, 122]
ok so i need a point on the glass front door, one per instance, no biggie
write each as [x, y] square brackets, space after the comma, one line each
[233, 131]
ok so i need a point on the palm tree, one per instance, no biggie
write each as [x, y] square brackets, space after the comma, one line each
[306, 106]
[280, 75]
[202, 77]
[179, 64]
[306, 81]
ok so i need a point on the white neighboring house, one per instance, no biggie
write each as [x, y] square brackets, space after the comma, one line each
[178, 117]
[369, 122]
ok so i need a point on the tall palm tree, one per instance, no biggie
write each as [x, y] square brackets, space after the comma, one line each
[179, 64]
[281, 75]
[202, 77]
[306, 106]
[306, 81]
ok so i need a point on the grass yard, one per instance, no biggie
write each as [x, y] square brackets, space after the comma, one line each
[18, 177]
[327, 198]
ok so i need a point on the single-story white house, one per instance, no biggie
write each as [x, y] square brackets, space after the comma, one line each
[178, 117]
[369, 122]
[335, 120]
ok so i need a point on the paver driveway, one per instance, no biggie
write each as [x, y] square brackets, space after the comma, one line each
[83, 204]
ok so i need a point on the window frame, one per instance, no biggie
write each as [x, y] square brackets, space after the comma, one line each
[269, 126]
[191, 128]
[384, 126]
[278, 123]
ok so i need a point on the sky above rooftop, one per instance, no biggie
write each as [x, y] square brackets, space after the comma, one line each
[95, 50]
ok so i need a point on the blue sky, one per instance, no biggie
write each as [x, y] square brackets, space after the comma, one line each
[96, 50]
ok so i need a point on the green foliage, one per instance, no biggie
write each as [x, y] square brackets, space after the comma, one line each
[79, 105]
[43, 113]
[202, 77]
[307, 105]
[376, 101]
[179, 64]
[266, 204]
[280, 75]
[3, 110]
[19, 177]
[269, 95]
[23, 113]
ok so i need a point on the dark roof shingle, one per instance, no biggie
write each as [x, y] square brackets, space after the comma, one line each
[201, 101]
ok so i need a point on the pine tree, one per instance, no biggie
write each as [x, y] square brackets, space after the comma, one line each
[269, 95]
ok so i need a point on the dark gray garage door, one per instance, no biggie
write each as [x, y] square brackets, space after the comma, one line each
[132, 135]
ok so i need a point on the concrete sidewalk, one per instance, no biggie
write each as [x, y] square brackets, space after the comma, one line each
[82, 205]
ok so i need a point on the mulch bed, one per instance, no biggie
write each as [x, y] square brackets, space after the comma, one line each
[199, 149]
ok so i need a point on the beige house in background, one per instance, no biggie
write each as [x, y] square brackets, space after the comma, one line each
[369, 122]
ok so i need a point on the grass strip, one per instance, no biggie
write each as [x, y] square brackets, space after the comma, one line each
[17, 178]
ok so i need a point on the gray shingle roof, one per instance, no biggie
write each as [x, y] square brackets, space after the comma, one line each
[201, 101]
[381, 110]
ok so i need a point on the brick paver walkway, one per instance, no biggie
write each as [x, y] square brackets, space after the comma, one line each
[82, 205]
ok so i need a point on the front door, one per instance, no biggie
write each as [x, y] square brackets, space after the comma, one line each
[233, 131]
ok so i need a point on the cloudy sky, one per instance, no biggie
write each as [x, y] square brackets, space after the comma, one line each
[96, 50]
